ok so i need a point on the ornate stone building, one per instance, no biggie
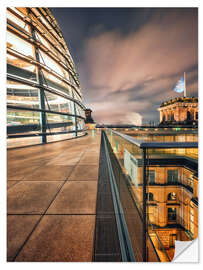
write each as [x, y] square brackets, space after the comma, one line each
[179, 111]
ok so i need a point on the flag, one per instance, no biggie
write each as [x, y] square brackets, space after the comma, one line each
[180, 85]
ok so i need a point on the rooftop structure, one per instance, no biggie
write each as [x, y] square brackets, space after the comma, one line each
[179, 111]
[44, 98]
[88, 115]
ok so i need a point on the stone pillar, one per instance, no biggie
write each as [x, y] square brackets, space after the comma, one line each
[162, 217]
[176, 114]
[194, 115]
[161, 116]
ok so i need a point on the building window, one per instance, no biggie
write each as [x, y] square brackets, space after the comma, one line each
[172, 196]
[188, 116]
[151, 178]
[150, 196]
[20, 68]
[172, 176]
[192, 220]
[171, 214]
[18, 22]
[20, 45]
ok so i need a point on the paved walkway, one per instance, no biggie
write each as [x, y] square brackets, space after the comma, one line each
[52, 192]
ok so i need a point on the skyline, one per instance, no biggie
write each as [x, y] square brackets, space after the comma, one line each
[125, 88]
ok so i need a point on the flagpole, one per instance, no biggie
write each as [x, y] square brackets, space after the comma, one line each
[184, 85]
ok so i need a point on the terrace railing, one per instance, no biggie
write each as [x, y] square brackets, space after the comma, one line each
[129, 161]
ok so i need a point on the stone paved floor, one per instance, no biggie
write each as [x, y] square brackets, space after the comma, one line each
[51, 200]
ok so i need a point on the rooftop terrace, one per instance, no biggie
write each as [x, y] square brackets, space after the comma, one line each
[52, 192]
[72, 201]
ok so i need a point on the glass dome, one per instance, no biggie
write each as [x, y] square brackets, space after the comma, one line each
[44, 100]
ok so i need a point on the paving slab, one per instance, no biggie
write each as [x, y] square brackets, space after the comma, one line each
[67, 207]
[65, 161]
[50, 173]
[84, 173]
[31, 197]
[19, 172]
[60, 238]
[18, 229]
[76, 197]
[89, 159]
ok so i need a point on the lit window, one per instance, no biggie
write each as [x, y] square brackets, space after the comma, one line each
[17, 11]
[172, 196]
[150, 196]
[53, 65]
[54, 82]
[192, 220]
[22, 95]
[17, 21]
[151, 176]
[172, 176]
[20, 68]
[58, 103]
[171, 214]
[18, 44]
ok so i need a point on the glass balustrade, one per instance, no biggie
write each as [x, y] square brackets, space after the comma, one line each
[158, 190]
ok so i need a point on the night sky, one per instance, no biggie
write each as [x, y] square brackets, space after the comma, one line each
[129, 59]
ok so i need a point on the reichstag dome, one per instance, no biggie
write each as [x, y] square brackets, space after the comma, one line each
[44, 101]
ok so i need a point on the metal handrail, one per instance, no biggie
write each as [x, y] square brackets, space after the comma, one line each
[143, 144]
[124, 238]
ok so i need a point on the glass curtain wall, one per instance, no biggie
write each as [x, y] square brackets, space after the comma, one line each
[44, 99]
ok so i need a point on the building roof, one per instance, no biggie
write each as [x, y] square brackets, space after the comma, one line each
[180, 99]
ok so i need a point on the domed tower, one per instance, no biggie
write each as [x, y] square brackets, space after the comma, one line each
[44, 100]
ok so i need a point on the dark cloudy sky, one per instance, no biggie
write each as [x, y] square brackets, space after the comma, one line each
[129, 59]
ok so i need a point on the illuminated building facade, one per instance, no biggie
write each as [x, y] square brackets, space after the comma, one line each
[179, 111]
[173, 202]
[44, 100]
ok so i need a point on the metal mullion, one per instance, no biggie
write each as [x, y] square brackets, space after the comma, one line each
[41, 90]
[40, 110]
[32, 83]
[17, 27]
[42, 24]
[58, 75]
[51, 33]
[24, 57]
[76, 127]
[49, 24]
[29, 23]
[41, 134]
[14, 13]
[19, 33]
